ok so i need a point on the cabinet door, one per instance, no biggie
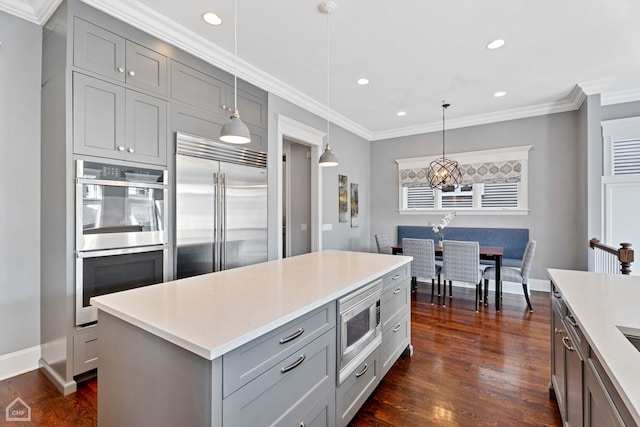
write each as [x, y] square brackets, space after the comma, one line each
[557, 353]
[198, 90]
[253, 110]
[599, 409]
[98, 50]
[146, 129]
[573, 396]
[146, 69]
[99, 117]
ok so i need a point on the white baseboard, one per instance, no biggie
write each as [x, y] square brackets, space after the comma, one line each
[63, 386]
[19, 362]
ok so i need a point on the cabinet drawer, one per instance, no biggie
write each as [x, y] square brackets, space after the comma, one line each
[394, 302]
[356, 388]
[394, 342]
[287, 390]
[398, 275]
[252, 359]
[85, 350]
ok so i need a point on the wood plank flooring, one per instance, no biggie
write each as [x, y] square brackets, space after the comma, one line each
[468, 369]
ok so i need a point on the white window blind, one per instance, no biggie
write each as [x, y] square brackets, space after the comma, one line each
[626, 156]
[500, 195]
[420, 197]
[457, 202]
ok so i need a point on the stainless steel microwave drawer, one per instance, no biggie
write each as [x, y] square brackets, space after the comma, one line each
[252, 359]
[396, 276]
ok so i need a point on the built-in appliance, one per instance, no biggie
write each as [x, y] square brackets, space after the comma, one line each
[221, 206]
[360, 329]
[121, 239]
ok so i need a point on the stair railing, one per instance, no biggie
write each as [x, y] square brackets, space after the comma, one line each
[610, 260]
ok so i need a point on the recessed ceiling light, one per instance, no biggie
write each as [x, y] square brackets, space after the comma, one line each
[362, 81]
[401, 113]
[499, 94]
[212, 18]
[496, 44]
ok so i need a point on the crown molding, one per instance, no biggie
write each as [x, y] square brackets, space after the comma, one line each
[572, 103]
[36, 11]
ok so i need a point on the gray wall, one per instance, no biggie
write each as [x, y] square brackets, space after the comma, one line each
[20, 64]
[353, 154]
[553, 194]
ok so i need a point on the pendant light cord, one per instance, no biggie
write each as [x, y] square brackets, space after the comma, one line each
[235, 55]
[328, 70]
[444, 107]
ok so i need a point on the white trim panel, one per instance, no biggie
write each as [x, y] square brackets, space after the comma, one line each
[19, 362]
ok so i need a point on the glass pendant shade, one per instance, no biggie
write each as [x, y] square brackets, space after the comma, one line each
[328, 158]
[234, 131]
[444, 172]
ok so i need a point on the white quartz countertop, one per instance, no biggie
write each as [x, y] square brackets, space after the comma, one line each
[603, 304]
[214, 313]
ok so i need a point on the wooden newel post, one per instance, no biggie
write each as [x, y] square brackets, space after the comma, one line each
[625, 255]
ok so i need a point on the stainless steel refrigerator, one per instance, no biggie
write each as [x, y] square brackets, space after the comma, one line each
[221, 206]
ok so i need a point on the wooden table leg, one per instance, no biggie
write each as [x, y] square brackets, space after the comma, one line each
[498, 259]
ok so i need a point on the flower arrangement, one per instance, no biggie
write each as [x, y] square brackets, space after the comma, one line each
[439, 228]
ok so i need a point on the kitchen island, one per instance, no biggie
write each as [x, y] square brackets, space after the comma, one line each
[595, 366]
[201, 350]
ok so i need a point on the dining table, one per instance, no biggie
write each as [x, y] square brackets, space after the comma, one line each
[493, 253]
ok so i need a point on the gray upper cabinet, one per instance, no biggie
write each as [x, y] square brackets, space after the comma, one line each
[197, 89]
[105, 53]
[252, 109]
[118, 123]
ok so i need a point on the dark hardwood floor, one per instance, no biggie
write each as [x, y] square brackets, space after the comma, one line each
[468, 369]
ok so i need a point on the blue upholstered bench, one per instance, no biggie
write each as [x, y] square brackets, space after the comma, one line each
[512, 240]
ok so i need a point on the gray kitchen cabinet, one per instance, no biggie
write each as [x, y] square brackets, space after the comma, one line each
[198, 90]
[114, 122]
[357, 387]
[558, 364]
[599, 409]
[110, 55]
[253, 109]
[395, 316]
[85, 349]
[283, 393]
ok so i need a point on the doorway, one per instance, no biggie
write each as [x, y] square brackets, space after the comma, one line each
[296, 209]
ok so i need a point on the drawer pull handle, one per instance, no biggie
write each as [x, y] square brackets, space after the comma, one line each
[396, 277]
[397, 291]
[303, 424]
[292, 336]
[558, 331]
[557, 294]
[397, 328]
[564, 341]
[294, 365]
[364, 370]
[572, 321]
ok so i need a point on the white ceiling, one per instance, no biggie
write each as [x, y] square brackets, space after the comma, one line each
[416, 53]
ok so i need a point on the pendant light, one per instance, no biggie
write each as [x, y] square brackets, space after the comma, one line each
[443, 172]
[234, 131]
[328, 158]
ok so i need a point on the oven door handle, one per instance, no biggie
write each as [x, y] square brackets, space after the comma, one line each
[120, 251]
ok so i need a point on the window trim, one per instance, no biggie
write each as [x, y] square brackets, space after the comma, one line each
[520, 153]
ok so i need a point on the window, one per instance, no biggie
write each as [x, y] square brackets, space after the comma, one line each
[492, 181]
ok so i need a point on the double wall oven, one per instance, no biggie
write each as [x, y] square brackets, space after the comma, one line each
[121, 239]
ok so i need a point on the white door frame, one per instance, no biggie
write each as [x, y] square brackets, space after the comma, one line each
[305, 135]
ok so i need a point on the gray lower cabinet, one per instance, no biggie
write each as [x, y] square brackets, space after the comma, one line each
[285, 392]
[108, 54]
[357, 387]
[395, 316]
[599, 409]
[114, 122]
[85, 349]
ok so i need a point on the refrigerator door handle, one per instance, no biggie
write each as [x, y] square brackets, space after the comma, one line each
[223, 216]
[216, 222]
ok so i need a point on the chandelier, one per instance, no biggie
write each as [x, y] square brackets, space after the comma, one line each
[443, 172]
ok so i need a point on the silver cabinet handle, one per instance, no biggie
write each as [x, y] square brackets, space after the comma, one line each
[120, 69]
[361, 373]
[397, 328]
[132, 73]
[557, 294]
[303, 424]
[396, 277]
[557, 331]
[572, 321]
[292, 337]
[397, 291]
[130, 150]
[564, 341]
[120, 147]
[294, 365]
